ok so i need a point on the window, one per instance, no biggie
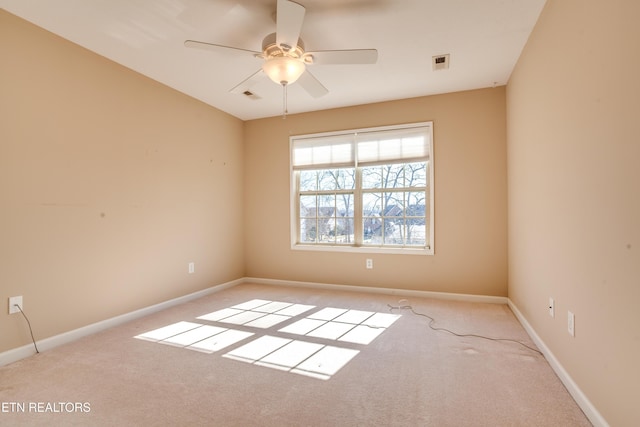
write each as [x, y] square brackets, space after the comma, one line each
[368, 190]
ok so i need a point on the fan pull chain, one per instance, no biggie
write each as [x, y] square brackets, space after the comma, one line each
[284, 100]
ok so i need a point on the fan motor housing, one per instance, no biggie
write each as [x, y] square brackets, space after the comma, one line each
[271, 50]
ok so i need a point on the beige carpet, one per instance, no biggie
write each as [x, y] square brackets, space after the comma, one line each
[409, 375]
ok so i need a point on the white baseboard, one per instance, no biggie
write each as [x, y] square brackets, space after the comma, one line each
[16, 354]
[583, 402]
[384, 291]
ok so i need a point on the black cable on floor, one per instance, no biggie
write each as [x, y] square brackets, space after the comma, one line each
[432, 320]
[30, 330]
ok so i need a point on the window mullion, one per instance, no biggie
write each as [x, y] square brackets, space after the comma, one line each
[358, 232]
[296, 176]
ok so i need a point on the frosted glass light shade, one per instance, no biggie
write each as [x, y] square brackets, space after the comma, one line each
[283, 70]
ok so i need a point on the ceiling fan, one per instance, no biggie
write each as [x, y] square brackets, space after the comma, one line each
[284, 55]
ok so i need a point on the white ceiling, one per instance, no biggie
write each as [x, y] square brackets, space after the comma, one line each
[483, 37]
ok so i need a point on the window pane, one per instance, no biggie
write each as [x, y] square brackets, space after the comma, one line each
[327, 206]
[344, 205]
[326, 230]
[394, 204]
[344, 230]
[393, 176]
[372, 177]
[394, 231]
[402, 222]
[308, 206]
[372, 204]
[347, 179]
[416, 203]
[372, 231]
[416, 174]
[308, 180]
[308, 230]
[327, 180]
[416, 231]
[336, 179]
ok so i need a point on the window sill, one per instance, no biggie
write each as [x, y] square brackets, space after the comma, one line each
[362, 249]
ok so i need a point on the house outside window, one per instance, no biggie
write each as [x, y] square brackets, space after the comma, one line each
[364, 190]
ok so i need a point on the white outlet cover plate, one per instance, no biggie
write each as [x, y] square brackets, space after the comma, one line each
[12, 304]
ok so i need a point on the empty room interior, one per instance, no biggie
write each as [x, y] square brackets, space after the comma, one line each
[168, 258]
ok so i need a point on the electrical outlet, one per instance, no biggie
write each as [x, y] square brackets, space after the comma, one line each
[551, 307]
[192, 267]
[13, 301]
[571, 324]
[369, 263]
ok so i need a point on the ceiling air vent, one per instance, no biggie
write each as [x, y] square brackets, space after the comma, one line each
[250, 94]
[440, 62]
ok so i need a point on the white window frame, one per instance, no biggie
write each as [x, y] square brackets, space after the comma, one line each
[428, 249]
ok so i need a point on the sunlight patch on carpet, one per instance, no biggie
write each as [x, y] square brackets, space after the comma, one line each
[192, 336]
[258, 313]
[290, 356]
[257, 349]
[168, 331]
[195, 336]
[242, 318]
[361, 335]
[221, 314]
[326, 362]
[300, 357]
[313, 359]
[354, 326]
[331, 330]
[220, 341]
[328, 313]
[303, 326]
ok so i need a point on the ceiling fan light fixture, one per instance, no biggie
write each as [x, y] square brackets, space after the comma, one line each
[283, 70]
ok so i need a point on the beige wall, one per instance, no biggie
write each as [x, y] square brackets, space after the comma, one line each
[470, 197]
[574, 194]
[110, 184]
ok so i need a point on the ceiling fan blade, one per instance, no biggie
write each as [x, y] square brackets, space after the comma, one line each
[289, 18]
[352, 56]
[247, 83]
[218, 47]
[312, 85]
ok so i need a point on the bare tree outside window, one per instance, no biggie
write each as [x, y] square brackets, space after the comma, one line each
[327, 215]
[395, 217]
